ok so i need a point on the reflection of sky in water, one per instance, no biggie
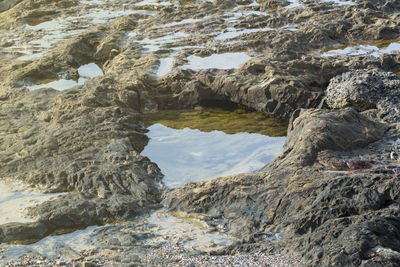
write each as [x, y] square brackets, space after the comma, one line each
[336, 2]
[300, 4]
[76, 242]
[87, 71]
[233, 32]
[49, 33]
[153, 3]
[169, 225]
[369, 50]
[191, 155]
[295, 4]
[217, 61]
[104, 16]
[90, 70]
[152, 45]
[165, 67]
[14, 199]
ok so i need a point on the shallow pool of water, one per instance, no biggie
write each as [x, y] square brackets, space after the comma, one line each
[188, 228]
[373, 48]
[295, 4]
[166, 65]
[301, 4]
[217, 61]
[233, 32]
[153, 3]
[15, 198]
[69, 246]
[85, 72]
[199, 145]
[336, 2]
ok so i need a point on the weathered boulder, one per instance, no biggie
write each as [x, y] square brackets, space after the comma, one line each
[312, 131]
[366, 89]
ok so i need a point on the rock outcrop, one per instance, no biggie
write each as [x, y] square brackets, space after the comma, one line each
[331, 218]
[331, 197]
[81, 140]
[366, 89]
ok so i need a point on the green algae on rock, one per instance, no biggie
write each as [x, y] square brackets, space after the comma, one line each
[227, 121]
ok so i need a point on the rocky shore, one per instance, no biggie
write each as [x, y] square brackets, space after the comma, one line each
[331, 198]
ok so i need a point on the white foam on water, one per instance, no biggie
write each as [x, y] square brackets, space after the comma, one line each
[14, 199]
[217, 61]
[191, 155]
[368, 50]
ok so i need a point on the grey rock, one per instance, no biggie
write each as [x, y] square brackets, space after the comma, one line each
[366, 89]
[87, 140]
[312, 131]
[323, 216]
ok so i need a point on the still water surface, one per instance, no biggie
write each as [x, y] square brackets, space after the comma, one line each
[199, 145]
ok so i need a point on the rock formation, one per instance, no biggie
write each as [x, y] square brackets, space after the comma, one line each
[332, 197]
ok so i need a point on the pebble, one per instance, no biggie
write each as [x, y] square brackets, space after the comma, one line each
[172, 255]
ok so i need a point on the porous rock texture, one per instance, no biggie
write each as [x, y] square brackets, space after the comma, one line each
[366, 89]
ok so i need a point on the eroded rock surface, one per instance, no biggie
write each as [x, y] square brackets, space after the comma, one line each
[365, 89]
[81, 140]
[331, 197]
[329, 217]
